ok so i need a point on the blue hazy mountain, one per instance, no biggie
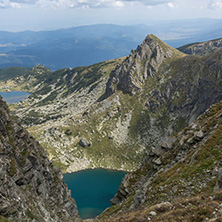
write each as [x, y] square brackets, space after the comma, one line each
[86, 45]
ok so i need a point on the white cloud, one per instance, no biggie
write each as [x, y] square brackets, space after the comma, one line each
[170, 5]
[78, 3]
[9, 4]
[215, 4]
[149, 2]
[61, 4]
[119, 4]
[101, 3]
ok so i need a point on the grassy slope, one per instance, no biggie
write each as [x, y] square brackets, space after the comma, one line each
[194, 178]
[71, 81]
[12, 72]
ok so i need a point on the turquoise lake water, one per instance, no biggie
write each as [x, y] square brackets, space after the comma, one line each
[14, 96]
[92, 189]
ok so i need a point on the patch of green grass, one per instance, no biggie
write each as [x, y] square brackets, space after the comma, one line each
[205, 158]
[57, 163]
[218, 196]
[12, 168]
[23, 154]
[201, 213]
[31, 215]
[12, 72]
[3, 219]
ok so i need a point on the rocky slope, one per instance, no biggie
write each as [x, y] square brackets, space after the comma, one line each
[31, 189]
[111, 114]
[181, 181]
[202, 48]
[141, 64]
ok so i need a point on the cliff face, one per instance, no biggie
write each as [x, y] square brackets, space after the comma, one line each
[141, 64]
[31, 189]
[180, 181]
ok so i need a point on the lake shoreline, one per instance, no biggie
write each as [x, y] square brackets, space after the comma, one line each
[92, 189]
[99, 168]
[13, 97]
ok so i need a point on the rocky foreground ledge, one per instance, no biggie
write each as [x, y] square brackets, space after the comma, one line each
[31, 189]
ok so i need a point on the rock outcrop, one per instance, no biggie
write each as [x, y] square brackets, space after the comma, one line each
[84, 143]
[202, 48]
[31, 189]
[141, 64]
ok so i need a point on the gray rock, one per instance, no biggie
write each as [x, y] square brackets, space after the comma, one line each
[84, 143]
[214, 172]
[190, 141]
[157, 161]
[174, 189]
[199, 134]
[167, 144]
[202, 48]
[153, 213]
[163, 206]
[219, 182]
[157, 151]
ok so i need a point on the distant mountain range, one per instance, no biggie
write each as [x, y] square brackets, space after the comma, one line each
[87, 45]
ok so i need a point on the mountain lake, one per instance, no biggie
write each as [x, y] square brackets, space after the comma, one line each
[93, 189]
[14, 96]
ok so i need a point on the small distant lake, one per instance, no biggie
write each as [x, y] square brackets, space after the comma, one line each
[93, 189]
[14, 96]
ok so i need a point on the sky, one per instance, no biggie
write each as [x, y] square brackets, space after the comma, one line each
[20, 15]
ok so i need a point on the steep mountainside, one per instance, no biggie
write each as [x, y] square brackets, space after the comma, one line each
[58, 101]
[111, 114]
[202, 48]
[31, 189]
[27, 79]
[180, 182]
[11, 72]
[141, 64]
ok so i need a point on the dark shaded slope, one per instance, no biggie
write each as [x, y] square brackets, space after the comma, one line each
[30, 187]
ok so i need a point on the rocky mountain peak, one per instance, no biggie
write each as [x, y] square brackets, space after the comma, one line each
[40, 69]
[152, 44]
[141, 64]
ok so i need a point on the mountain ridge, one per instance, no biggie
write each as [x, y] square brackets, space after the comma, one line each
[202, 48]
[180, 89]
